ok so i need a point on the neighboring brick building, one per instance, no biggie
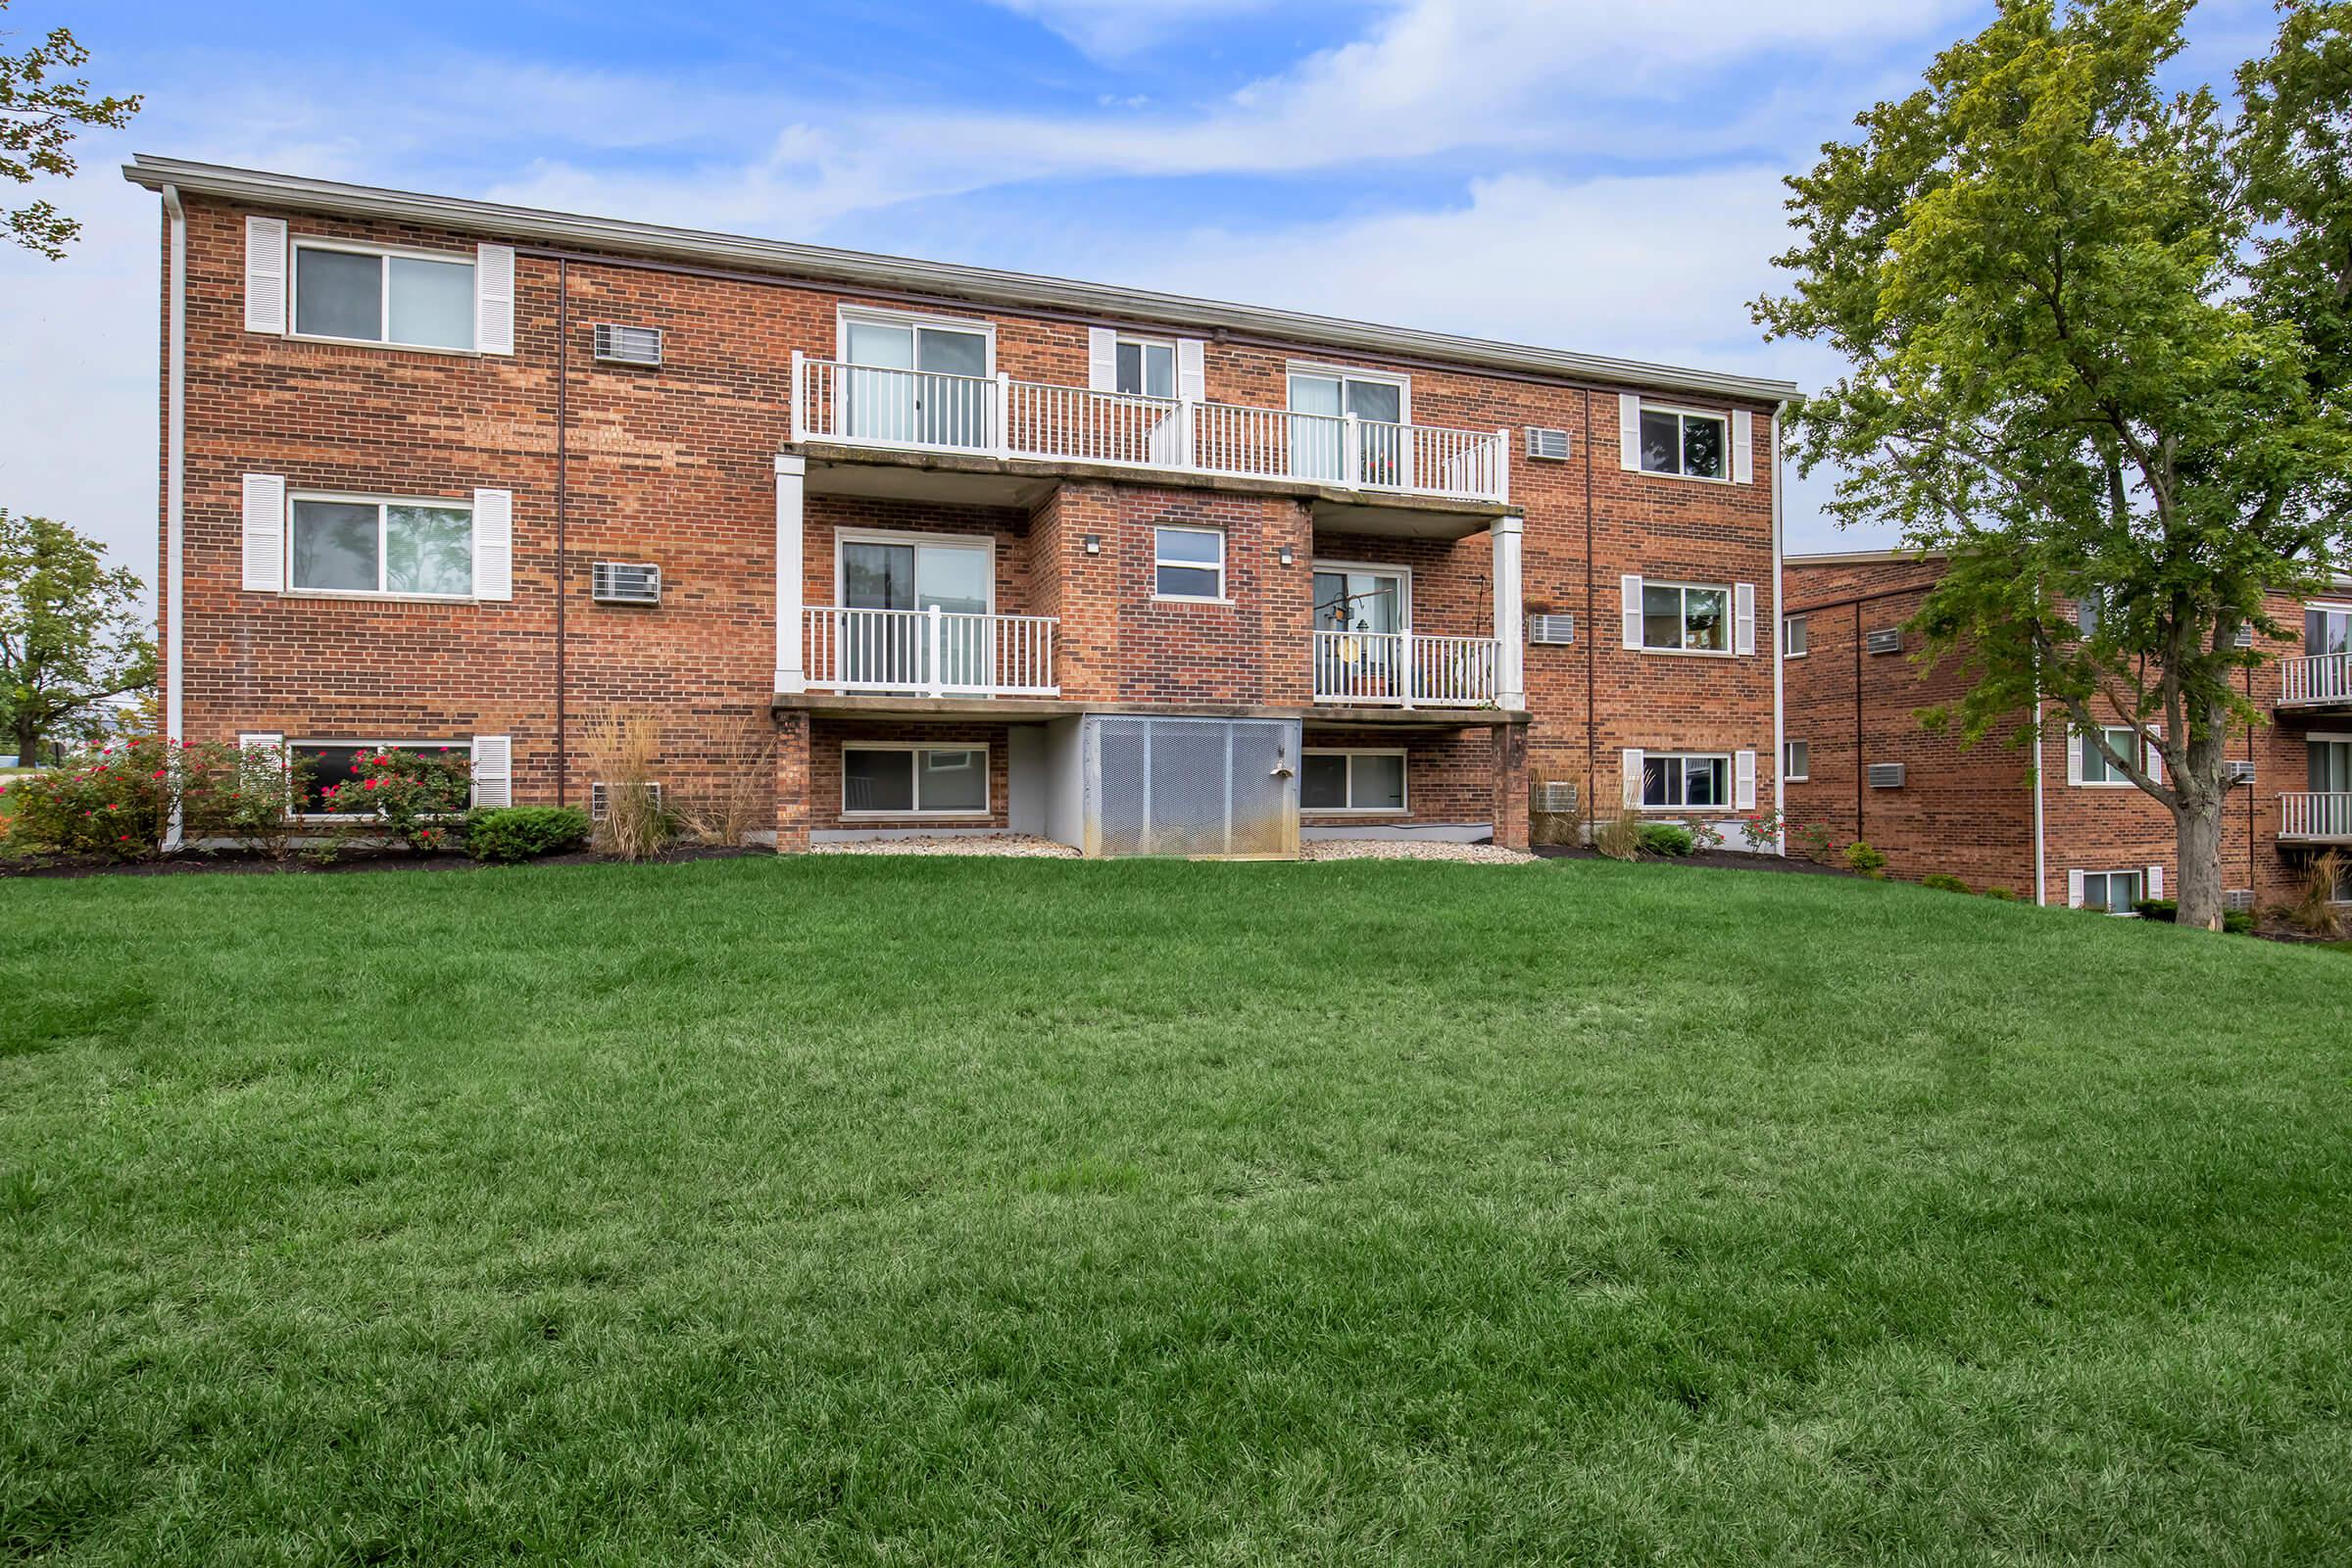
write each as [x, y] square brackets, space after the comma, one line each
[2047, 823]
[939, 549]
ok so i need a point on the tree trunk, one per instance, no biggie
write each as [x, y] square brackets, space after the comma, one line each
[27, 736]
[2197, 824]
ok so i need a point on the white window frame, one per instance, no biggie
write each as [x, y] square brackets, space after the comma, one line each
[1791, 773]
[1731, 618]
[1404, 588]
[1731, 782]
[1224, 593]
[298, 243]
[1351, 753]
[917, 750]
[296, 747]
[1722, 417]
[2091, 754]
[2139, 882]
[843, 315]
[1802, 634]
[986, 543]
[1119, 340]
[384, 563]
[2328, 607]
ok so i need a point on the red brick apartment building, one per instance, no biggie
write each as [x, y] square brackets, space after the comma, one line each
[904, 546]
[2050, 824]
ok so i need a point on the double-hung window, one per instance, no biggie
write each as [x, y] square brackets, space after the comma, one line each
[367, 294]
[1188, 564]
[2115, 891]
[1792, 637]
[1352, 781]
[1798, 766]
[1679, 441]
[1680, 617]
[1671, 779]
[2096, 769]
[2326, 629]
[1145, 368]
[914, 780]
[379, 545]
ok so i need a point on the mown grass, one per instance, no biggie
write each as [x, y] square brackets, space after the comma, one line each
[879, 1212]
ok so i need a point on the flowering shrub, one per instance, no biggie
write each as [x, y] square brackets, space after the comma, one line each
[1705, 835]
[1813, 841]
[1761, 830]
[241, 795]
[114, 802]
[416, 799]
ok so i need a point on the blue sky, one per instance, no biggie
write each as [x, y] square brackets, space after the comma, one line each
[1580, 173]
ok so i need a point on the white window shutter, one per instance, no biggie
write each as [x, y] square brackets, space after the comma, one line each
[1628, 590]
[2152, 758]
[1101, 358]
[1629, 432]
[494, 544]
[265, 532]
[1743, 447]
[2074, 742]
[2155, 881]
[273, 741]
[1192, 369]
[1743, 618]
[493, 299]
[265, 274]
[493, 771]
[2074, 890]
[1632, 778]
[1744, 781]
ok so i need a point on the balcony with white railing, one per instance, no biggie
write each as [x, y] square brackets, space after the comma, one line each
[1399, 670]
[2315, 682]
[999, 416]
[2314, 817]
[928, 653]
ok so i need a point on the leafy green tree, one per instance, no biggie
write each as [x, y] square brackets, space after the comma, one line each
[40, 111]
[72, 635]
[2074, 367]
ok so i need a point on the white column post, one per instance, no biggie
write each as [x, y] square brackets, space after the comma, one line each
[791, 674]
[933, 622]
[1502, 463]
[1352, 452]
[1511, 656]
[1186, 457]
[1000, 442]
[799, 396]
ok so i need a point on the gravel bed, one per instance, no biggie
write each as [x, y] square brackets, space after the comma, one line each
[1410, 850]
[1005, 844]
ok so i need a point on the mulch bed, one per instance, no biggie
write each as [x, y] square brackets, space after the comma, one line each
[233, 863]
[1717, 859]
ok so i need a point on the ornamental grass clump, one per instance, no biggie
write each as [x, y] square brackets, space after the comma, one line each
[625, 746]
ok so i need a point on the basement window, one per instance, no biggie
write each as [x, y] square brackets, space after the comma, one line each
[914, 781]
[2116, 892]
[339, 764]
[1352, 782]
[1671, 780]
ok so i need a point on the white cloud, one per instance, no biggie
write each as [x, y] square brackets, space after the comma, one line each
[1114, 29]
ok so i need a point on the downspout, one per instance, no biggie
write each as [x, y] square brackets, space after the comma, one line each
[562, 474]
[1591, 631]
[176, 403]
[1861, 768]
[2042, 874]
[1779, 658]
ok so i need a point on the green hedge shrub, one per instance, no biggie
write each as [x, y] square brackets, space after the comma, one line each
[2001, 894]
[514, 833]
[1861, 858]
[1665, 838]
[2157, 908]
[1943, 882]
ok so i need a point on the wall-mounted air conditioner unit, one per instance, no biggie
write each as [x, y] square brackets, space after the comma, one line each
[2237, 770]
[2238, 898]
[1885, 775]
[600, 798]
[616, 344]
[1551, 631]
[625, 582]
[1546, 446]
[1886, 640]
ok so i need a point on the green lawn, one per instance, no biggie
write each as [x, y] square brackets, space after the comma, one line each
[889, 1211]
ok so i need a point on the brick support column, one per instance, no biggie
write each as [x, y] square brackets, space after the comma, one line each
[1510, 786]
[791, 783]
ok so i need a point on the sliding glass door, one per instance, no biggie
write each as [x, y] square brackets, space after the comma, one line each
[1318, 444]
[918, 385]
[895, 650]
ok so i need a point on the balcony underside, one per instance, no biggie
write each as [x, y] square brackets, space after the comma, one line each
[962, 478]
[1037, 709]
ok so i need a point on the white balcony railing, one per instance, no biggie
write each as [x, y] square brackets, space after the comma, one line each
[1399, 669]
[2315, 817]
[996, 416]
[932, 653]
[2321, 679]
